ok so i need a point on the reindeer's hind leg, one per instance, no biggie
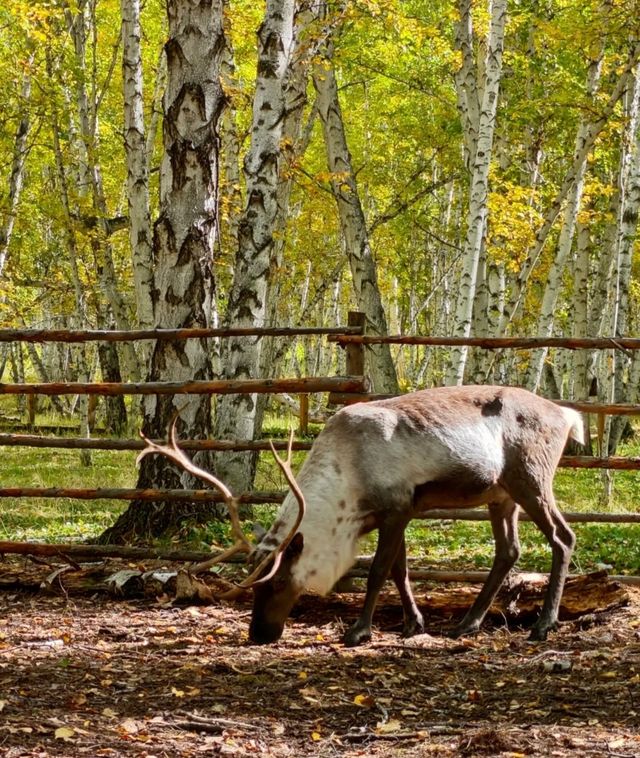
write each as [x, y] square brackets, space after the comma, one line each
[390, 539]
[538, 501]
[413, 621]
[504, 523]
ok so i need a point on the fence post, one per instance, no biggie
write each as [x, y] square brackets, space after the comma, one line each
[303, 426]
[355, 352]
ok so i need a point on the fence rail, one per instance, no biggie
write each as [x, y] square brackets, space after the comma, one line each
[492, 343]
[115, 335]
[349, 384]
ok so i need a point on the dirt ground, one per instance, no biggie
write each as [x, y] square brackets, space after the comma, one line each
[100, 677]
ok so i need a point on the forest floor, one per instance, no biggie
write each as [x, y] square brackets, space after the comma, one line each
[96, 676]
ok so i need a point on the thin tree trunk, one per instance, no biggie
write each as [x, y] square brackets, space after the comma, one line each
[91, 175]
[352, 221]
[546, 319]
[137, 168]
[16, 178]
[481, 151]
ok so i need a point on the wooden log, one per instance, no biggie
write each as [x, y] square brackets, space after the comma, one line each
[362, 566]
[91, 443]
[303, 418]
[477, 514]
[115, 493]
[218, 387]
[114, 335]
[99, 552]
[491, 343]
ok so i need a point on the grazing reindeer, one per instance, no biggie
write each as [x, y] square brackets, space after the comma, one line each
[378, 465]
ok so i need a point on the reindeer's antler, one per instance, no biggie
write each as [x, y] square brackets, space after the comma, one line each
[276, 554]
[174, 453]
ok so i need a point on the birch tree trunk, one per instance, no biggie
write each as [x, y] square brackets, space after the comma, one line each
[78, 289]
[480, 155]
[137, 168]
[183, 244]
[546, 319]
[622, 254]
[236, 414]
[90, 175]
[364, 273]
[16, 178]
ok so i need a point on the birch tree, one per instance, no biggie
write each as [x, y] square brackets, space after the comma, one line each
[248, 299]
[623, 238]
[183, 244]
[355, 235]
[137, 166]
[478, 103]
[546, 318]
[16, 177]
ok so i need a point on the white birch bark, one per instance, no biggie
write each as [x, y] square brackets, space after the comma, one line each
[624, 240]
[364, 273]
[183, 244]
[580, 328]
[546, 319]
[247, 303]
[16, 178]
[137, 167]
[477, 212]
[90, 178]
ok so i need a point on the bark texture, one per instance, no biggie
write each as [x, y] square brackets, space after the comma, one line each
[248, 300]
[478, 103]
[183, 242]
[380, 368]
[137, 168]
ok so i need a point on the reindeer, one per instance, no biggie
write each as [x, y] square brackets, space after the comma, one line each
[378, 465]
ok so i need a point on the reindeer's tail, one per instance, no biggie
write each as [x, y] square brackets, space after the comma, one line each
[576, 428]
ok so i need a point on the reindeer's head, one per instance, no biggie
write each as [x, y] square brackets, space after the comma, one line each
[275, 595]
[275, 590]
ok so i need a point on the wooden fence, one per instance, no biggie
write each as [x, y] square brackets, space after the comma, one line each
[350, 388]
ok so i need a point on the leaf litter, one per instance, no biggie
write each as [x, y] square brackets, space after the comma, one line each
[101, 677]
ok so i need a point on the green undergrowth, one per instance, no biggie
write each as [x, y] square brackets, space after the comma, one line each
[444, 544]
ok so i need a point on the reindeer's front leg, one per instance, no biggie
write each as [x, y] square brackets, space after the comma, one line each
[413, 621]
[390, 539]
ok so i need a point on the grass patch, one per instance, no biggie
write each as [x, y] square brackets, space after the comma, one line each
[61, 519]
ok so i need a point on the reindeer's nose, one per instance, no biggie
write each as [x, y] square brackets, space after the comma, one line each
[263, 634]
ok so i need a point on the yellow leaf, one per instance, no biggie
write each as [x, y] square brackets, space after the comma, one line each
[609, 674]
[302, 675]
[177, 693]
[315, 736]
[64, 733]
[388, 727]
[364, 701]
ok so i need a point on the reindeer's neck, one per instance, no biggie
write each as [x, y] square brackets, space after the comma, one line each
[331, 524]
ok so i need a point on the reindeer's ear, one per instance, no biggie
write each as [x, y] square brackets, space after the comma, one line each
[294, 548]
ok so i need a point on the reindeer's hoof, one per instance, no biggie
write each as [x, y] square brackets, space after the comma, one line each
[413, 626]
[357, 635]
[539, 634]
[463, 630]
